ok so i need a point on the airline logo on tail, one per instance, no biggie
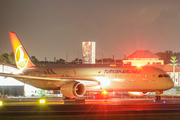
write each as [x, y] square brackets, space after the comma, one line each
[21, 60]
[21, 57]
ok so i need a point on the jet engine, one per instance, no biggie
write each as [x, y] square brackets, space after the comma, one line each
[73, 89]
[145, 93]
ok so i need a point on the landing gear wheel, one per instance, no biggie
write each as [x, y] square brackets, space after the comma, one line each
[73, 98]
[66, 98]
[158, 97]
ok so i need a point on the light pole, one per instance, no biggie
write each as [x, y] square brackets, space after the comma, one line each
[66, 57]
[102, 57]
[3, 68]
[3, 87]
[2, 91]
[78, 57]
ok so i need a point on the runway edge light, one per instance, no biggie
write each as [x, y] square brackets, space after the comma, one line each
[42, 101]
[1, 103]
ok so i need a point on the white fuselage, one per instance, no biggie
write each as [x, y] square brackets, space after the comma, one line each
[145, 79]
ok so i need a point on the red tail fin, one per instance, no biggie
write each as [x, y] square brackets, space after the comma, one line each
[21, 57]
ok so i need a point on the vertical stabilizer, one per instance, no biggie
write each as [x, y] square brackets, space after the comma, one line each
[21, 57]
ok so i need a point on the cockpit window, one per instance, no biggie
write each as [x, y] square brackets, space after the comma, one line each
[160, 76]
[166, 75]
[163, 75]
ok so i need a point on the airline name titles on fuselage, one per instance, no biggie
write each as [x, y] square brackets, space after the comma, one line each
[136, 71]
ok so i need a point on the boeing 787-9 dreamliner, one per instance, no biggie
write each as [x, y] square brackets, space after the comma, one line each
[74, 81]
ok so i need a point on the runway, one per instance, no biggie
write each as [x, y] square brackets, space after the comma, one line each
[112, 101]
[95, 108]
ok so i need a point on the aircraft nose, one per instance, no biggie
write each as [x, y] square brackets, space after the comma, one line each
[170, 84]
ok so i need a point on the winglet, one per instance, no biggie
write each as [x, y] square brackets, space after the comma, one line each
[21, 57]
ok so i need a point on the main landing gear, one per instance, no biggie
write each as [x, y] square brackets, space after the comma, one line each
[68, 98]
[158, 95]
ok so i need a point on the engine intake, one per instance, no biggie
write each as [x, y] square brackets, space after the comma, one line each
[73, 89]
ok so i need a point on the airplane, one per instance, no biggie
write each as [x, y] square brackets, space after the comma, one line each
[74, 81]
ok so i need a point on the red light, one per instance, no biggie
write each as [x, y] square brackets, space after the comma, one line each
[113, 65]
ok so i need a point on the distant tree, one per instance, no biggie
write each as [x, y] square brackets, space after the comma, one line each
[8, 58]
[1, 61]
[5, 58]
[119, 61]
[75, 61]
[34, 59]
[11, 58]
[61, 61]
[166, 56]
[105, 60]
[177, 54]
[42, 62]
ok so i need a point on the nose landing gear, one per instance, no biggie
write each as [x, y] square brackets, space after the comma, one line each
[158, 95]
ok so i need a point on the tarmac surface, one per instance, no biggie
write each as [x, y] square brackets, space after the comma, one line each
[14, 108]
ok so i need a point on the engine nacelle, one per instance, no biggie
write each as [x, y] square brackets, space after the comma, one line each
[73, 89]
[145, 93]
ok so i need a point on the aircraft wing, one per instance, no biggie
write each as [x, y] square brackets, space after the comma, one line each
[25, 77]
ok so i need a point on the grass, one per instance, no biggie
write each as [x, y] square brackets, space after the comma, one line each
[30, 103]
[19, 103]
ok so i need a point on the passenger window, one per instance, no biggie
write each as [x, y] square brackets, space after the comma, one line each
[160, 76]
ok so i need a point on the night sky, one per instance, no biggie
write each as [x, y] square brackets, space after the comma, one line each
[49, 28]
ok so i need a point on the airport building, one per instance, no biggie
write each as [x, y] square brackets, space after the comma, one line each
[12, 87]
[143, 57]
